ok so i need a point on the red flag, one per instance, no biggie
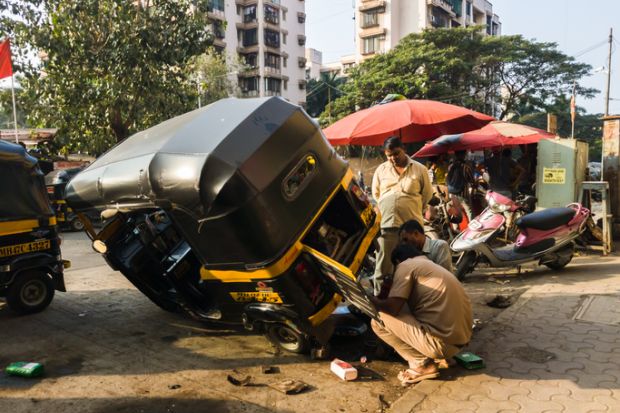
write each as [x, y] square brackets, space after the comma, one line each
[6, 68]
[572, 108]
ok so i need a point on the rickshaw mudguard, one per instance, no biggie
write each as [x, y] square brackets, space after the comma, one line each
[45, 261]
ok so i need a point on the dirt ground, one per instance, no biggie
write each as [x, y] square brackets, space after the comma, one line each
[105, 347]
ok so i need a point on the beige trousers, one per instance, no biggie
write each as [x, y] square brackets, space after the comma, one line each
[407, 336]
[383, 268]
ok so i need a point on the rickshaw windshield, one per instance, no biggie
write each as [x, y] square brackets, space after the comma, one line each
[22, 185]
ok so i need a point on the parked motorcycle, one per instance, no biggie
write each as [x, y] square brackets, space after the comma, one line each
[544, 236]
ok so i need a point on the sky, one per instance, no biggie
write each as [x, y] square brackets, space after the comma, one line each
[579, 27]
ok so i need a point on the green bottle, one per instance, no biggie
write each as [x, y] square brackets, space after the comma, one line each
[24, 369]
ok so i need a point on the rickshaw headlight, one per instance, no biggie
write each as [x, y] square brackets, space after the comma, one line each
[100, 246]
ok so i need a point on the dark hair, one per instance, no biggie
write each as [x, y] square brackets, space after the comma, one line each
[393, 142]
[411, 226]
[460, 154]
[403, 252]
[507, 152]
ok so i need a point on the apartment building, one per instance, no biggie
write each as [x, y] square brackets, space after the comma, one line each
[268, 38]
[382, 23]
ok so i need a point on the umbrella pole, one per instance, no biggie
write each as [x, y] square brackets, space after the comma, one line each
[362, 168]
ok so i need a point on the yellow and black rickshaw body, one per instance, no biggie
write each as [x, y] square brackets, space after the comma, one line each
[56, 182]
[31, 266]
[239, 212]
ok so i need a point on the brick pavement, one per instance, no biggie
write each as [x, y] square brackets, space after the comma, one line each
[538, 357]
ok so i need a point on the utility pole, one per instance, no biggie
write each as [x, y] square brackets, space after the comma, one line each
[611, 39]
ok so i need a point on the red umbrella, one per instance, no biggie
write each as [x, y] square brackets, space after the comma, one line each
[493, 135]
[412, 120]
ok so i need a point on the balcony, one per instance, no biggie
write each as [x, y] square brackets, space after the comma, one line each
[301, 62]
[272, 93]
[372, 5]
[302, 84]
[246, 2]
[301, 39]
[373, 32]
[272, 2]
[301, 17]
[249, 93]
[272, 71]
[443, 5]
[247, 49]
[246, 26]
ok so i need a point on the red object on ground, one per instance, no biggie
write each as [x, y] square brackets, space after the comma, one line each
[495, 134]
[412, 120]
[6, 67]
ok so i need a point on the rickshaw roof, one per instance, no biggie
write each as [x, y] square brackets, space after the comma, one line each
[184, 159]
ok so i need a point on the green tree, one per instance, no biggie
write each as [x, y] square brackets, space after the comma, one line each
[107, 68]
[213, 76]
[464, 67]
[321, 91]
[588, 127]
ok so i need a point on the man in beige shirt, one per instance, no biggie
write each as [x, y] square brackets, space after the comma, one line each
[402, 189]
[427, 315]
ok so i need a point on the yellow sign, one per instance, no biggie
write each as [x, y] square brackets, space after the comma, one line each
[261, 297]
[25, 248]
[554, 175]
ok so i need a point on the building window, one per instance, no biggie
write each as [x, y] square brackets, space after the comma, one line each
[218, 29]
[468, 8]
[285, 84]
[273, 85]
[370, 45]
[489, 24]
[215, 5]
[301, 39]
[370, 19]
[271, 14]
[284, 15]
[250, 37]
[248, 83]
[272, 60]
[272, 39]
[284, 61]
[250, 60]
[301, 17]
[249, 14]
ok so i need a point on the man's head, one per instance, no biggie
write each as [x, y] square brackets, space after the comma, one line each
[403, 252]
[460, 155]
[507, 153]
[395, 151]
[412, 232]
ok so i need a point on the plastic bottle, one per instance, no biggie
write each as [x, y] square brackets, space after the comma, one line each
[343, 370]
[24, 369]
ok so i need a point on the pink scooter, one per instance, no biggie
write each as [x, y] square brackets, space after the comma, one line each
[545, 236]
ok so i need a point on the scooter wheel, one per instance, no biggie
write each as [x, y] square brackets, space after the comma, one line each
[30, 293]
[560, 263]
[288, 339]
[465, 265]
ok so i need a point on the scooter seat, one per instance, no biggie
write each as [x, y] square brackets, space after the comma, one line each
[547, 219]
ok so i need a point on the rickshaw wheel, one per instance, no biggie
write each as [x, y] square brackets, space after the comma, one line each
[287, 338]
[76, 225]
[30, 293]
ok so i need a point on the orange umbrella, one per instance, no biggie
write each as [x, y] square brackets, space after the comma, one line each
[495, 134]
[412, 120]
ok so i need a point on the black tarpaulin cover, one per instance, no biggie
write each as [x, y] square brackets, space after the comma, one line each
[22, 187]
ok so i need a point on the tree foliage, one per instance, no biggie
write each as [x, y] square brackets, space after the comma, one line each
[464, 67]
[588, 127]
[322, 91]
[106, 68]
[213, 76]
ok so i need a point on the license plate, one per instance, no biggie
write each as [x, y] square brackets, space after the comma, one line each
[259, 296]
[18, 249]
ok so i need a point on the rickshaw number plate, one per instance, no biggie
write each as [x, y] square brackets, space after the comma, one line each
[261, 297]
[25, 248]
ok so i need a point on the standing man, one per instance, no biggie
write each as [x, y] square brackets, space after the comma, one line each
[504, 173]
[427, 315]
[436, 250]
[460, 178]
[402, 188]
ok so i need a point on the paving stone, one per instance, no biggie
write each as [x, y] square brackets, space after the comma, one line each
[486, 405]
[594, 367]
[612, 404]
[561, 367]
[574, 406]
[543, 392]
[532, 406]
[502, 392]
[592, 381]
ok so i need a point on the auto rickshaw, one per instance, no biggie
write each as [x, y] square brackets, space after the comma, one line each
[31, 266]
[56, 181]
[239, 212]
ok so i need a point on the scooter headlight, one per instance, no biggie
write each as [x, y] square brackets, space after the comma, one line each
[497, 207]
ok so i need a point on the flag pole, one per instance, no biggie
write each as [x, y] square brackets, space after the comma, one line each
[573, 111]
[14, 110]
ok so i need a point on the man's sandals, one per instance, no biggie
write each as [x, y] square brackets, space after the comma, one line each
[411, 376]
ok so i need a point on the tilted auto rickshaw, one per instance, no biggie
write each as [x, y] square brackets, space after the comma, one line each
[31, 266]
[239, 212]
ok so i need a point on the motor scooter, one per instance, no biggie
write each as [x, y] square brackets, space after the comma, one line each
[545, 236]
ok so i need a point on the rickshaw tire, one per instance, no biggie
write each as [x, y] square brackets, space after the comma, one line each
[31, 279]
[279, 333]
[76, 225]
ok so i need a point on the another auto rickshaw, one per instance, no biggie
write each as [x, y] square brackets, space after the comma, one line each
[56, 181]
[239, 212]
[31, 266]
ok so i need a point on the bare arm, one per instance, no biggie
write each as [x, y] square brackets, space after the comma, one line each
[391, 305]
[375, 187]
[427, 188]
